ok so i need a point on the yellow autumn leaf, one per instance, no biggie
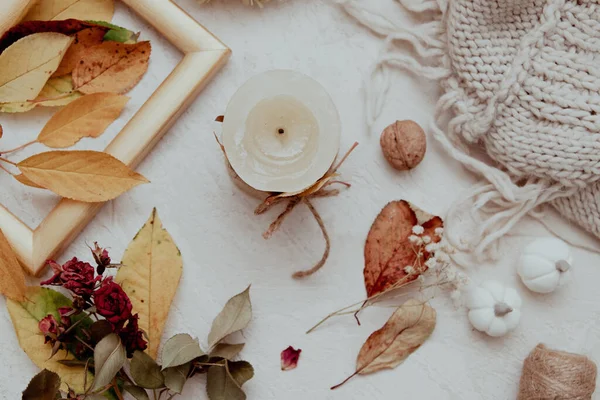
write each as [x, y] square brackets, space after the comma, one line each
[26, 181]
[88, 116]
[27, 64]
[12, 278]
[89, 176]
[150, 274]
[56, 10]
[25, 317]
[57, 92]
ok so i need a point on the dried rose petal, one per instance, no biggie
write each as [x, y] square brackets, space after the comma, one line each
[289, 358]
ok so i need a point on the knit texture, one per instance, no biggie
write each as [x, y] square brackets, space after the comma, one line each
[521, 81]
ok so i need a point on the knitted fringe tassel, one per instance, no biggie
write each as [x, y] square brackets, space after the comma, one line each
[496, 204]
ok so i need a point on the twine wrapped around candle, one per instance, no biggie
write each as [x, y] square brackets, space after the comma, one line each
[557, 375]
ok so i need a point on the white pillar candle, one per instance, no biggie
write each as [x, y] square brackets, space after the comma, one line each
[281, 131]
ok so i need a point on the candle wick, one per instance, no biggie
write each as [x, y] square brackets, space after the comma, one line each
[281, 131]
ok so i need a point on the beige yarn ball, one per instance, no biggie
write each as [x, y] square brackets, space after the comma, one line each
[557, 375]
[403, 144]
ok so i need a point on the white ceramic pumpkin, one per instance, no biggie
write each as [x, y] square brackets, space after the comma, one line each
[493, 308]
[545, 264]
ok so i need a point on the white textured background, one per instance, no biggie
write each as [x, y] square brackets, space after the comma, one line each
[223, 249]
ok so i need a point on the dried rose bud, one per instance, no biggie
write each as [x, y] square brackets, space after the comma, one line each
[112, 303]
[289, 358]
[101, 257]
[76, 276]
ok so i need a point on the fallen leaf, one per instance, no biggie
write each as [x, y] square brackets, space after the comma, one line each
[88, 116]
[179, 350]
[137, 392]
[66, 27]
[406, 330]
[89, 176]
[289, 358]
[234, 317]
[111, 67]
[145, 371]
[12, 277]
[118, 33]
[175, 377]
[226, 350]
[388, 250]
[109, 357]
[43, 386]
[28, 63]
[241, 371]
[220, 384]
[150, 275]
[55, 10]
[25, 317]
[26, 181]
[57, 92]
[83, 40]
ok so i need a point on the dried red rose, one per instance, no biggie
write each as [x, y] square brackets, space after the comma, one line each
[112, 303]
[76, 276]
[289, 358]
[132, 337]
[49, 328]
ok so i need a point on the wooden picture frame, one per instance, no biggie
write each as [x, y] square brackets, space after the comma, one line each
[203, 56]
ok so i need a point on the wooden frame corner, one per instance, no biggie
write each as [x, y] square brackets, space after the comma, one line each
[203, 56]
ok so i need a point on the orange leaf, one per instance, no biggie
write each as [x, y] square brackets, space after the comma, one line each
[111, 67]
[388, 250]
[12, 277]
[89, 176]
[26, 181]
[83, 40]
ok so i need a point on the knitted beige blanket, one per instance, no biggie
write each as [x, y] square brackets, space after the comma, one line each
[521, 80]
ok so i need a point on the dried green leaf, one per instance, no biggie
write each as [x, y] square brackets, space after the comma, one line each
[117, 33]
[146, 372]
[241, 371]
[406, 330]
[137, 392]
[227, 350]
[179, 350]
[221, 385]
[175, 377]
[109, 357]
[234, 317]
[43, 386]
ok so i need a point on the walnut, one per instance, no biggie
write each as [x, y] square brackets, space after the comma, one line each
[403, 144]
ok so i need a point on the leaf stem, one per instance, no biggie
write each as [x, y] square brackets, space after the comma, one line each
[117, 391]
[21, 147]
[7, 161]
[6, 170]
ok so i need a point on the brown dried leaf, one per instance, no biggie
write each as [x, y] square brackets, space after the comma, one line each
[12, 277]
[89, 176]
[388, 250]
[66, 27]
[46, 10]
[406, 330]
[111, 67]
[84, 39]
[88, 116]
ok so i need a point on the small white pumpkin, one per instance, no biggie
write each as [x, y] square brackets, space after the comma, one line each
[494, 309]
[545, 264]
